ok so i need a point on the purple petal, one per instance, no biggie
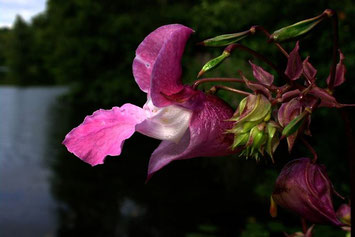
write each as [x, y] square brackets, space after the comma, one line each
[261, 75]
[294, 64]
[340, 71]
[166, 73]
[150, 48]
[103, 133]
[205, 137]
[160, 41]
[308, 70]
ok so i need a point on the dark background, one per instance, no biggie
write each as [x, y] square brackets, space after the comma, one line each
[89, 46]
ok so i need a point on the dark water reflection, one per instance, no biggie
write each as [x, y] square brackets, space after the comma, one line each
[46, 191]
[26, 206]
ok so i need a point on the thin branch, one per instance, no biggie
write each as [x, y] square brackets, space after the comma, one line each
[232, 47]
[334, 16]
[216, 79]
[214, 89]
[314, 153]
[267, 34]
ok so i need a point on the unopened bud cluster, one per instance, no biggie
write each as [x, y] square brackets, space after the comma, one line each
[253, 130]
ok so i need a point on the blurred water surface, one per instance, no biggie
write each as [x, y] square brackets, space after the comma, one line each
[26, 205]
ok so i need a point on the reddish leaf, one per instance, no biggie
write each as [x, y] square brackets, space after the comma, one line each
[261, 75]
[257, 87]
[294, 67]
[340, 71]
[287, 112]
[308, 70]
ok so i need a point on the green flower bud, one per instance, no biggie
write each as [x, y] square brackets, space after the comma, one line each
[296, 30]
[213, 63]
[253, 129]
[224, 40]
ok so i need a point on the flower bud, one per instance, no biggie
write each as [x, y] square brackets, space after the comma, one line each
[213, 63]
[253, 128]
[344, 214]
[304, 188]
[224, 40]
[296, 30]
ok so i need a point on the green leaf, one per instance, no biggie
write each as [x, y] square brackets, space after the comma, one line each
[294, 125]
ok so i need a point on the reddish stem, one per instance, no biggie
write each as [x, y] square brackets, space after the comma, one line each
[267, 34]
[216, 79]
[334, 16]
[232, 47]
[314, 153]
[214, 89]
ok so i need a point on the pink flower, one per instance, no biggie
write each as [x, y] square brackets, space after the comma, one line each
[190, 123]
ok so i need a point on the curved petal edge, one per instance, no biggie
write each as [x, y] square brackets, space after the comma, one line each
[103, 133]
[153, 46]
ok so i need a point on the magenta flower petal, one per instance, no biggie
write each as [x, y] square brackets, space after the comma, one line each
[103, 133]
[166, 74]
[160, 42]
[294, 67]
[205, 137]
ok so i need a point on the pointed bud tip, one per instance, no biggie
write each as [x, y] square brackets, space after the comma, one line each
[201, 73]
[202, 43]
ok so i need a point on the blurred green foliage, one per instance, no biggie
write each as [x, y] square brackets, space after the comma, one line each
[89, 45]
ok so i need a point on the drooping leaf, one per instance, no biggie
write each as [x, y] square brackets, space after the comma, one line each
[294, 67]
[340, 71]
[261, 75]
[308, 70]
